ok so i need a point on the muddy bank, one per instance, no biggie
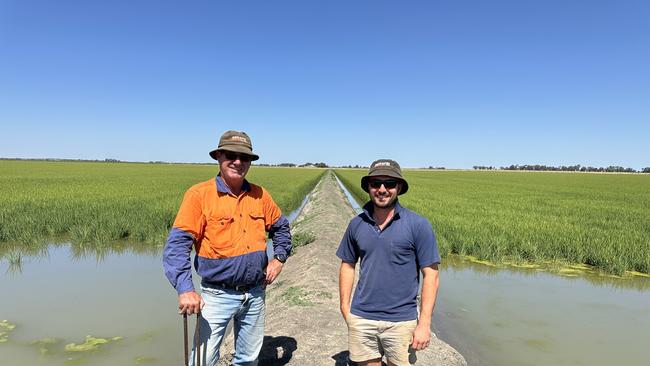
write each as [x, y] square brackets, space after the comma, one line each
[303, 322]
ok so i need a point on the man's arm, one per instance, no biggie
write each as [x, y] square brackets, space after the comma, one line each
[178, 269]
[346, 281]
[280, 234]
[422, 332]
[188, 228]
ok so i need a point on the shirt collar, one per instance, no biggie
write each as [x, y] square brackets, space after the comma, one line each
[222, 187]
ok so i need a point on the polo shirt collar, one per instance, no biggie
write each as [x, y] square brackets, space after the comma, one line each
[368, 209]
[222, 187]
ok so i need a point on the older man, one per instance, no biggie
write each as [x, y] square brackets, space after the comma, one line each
[393, 244]
[227, 219]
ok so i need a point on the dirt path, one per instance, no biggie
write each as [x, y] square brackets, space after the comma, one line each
[303, 322]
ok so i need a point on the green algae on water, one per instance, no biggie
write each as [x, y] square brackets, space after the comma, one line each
[91, 344]
[5, 328]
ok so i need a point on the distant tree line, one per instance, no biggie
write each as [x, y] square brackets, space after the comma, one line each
[357, 166]
[291, 165]
[565, 168]
[533, 167]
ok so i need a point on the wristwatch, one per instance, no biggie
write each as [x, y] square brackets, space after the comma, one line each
[281, 257]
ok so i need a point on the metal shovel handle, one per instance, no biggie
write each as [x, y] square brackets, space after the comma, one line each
[197, 337]
[197, 340]
[187, 355]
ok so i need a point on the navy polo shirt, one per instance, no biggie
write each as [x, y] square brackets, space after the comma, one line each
[390, 262]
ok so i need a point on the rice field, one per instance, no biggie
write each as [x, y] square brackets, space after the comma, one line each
[87, 202]
[601, 220]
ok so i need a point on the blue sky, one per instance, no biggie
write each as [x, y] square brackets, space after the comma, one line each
[444, 83]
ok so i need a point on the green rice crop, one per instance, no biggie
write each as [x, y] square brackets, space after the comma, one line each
[602, 220]
[87, 202]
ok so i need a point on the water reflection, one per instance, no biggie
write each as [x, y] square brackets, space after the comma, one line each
[355, 205]
[67, 292]
[16, 254]
[514, 316]
[570, 273]
[15, 260]
[101, 252]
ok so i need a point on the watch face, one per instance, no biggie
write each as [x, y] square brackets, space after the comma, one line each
[281, 258]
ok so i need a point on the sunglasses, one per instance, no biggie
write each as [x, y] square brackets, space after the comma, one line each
[242, 157]
[388, 184]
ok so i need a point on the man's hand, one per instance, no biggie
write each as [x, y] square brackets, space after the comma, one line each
[421, 337]
[273, 270]
[345, 311]
[346, 279]
[190, 303]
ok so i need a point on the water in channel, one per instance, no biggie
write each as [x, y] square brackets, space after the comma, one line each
[501, 316]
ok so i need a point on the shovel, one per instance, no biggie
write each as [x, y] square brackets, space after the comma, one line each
[197, 338]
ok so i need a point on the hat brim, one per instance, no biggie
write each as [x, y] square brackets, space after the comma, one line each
[234, 148]
[405, 184]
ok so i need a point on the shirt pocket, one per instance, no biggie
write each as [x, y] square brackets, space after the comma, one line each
[401, 252]
[257, 227]
[218, 231]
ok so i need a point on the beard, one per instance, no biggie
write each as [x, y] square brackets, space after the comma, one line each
[384, 204]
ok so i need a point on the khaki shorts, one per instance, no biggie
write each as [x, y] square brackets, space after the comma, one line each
[372, 339]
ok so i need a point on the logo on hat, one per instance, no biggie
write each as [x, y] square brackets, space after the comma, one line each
[239, 138]
[381, 163]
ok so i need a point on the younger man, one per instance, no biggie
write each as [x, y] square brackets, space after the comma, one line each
[393, 245]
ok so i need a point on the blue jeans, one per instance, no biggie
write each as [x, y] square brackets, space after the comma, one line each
[247, 309]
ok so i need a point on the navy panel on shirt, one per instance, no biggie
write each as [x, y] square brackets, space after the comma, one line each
[390, 262]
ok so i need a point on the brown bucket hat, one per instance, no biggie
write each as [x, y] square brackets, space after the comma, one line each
[386, 167]
[235, 141]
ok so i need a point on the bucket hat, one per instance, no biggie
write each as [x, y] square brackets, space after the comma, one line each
[388, 168]
[235, 141]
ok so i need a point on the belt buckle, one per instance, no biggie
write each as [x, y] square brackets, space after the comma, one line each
[241, 288]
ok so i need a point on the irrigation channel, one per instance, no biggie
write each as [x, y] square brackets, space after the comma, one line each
[493, 316]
